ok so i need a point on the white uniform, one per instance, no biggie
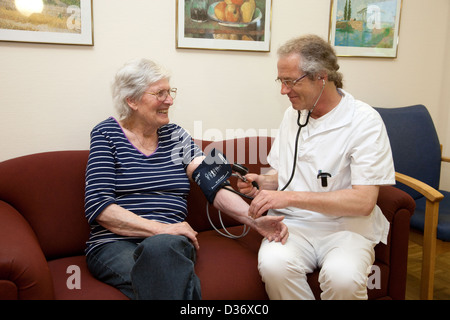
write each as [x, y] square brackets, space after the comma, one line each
[351, 144]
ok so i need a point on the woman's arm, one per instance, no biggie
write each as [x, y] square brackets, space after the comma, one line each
[233, 205]
[126, 223]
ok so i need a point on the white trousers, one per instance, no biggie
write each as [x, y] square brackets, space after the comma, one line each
[345, 259]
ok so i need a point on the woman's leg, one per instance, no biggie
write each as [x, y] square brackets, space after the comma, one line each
[164, 269]
[112, 264]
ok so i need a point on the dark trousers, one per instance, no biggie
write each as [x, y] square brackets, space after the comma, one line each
[158, 268]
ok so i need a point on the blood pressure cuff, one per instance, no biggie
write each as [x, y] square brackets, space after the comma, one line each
[212, 174]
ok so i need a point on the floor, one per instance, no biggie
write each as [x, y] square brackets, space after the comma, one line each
[442, 274]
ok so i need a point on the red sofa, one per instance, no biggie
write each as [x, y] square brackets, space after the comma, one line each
[43, 233]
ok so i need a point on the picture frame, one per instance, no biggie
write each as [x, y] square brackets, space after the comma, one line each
[198, 26]
[64, 22]
[365, 28]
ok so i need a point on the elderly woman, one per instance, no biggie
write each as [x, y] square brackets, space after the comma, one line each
[137, 181]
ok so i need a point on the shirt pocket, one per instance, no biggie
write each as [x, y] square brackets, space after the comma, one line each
[337, 181]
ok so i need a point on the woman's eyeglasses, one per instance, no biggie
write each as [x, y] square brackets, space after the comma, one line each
[162, 94]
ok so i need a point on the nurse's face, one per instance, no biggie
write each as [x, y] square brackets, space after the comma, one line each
[302, 93]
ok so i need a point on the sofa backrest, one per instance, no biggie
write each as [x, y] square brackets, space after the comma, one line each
[48, 190]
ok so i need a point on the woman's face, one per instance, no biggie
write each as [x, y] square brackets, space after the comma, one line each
[150, 109]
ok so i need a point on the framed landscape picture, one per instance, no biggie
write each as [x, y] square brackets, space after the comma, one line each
[365, 28]
[47, 21]
[224, 25]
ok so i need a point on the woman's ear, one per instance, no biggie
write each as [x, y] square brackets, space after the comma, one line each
[132, 103]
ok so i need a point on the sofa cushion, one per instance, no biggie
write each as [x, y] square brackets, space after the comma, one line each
[90, 288]
[228, 268]
[8, 290]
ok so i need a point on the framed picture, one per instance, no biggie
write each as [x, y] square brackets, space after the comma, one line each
[365, 28]
[224, 25]
[47, 21]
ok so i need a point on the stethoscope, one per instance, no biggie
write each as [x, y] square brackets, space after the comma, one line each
[300, 126]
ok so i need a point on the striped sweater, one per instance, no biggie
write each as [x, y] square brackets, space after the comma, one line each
[154, 187]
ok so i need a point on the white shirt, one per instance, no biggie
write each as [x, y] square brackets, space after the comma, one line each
[351, 144]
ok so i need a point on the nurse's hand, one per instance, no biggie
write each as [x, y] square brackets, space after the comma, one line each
[246, 187]
[267, 199]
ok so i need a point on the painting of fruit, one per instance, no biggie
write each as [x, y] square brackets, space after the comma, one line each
[224, 24]
[235, 10]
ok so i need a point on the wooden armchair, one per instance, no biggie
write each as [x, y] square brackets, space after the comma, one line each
[417, 157]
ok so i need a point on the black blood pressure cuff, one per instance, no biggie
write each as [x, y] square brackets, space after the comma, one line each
[212, 174]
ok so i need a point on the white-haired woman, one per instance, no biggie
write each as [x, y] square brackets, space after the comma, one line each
[136, 189]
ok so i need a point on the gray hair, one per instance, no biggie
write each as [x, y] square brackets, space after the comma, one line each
[317, 57]
[132, 80]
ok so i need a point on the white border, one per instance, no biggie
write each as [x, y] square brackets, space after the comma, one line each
[86, 37]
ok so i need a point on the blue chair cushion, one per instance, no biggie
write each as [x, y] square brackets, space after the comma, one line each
[443, 229]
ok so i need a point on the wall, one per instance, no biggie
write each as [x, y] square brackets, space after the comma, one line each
[444, 112]
[52, 95]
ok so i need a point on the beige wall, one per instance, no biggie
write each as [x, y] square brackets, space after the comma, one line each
[52, 95]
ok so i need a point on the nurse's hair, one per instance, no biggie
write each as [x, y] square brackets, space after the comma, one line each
[317, 57]
[132, 80]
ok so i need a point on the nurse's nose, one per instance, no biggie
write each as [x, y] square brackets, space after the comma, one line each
[285, 89]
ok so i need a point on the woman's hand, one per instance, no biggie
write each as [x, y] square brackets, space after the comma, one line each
[182, 229]
[272, 228]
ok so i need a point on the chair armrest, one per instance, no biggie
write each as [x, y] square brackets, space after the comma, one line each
[444, 159]
[433, 197]
[24, 272]
[427, 191]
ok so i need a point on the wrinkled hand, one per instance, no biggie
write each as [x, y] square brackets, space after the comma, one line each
[183, 229]
[272, 228]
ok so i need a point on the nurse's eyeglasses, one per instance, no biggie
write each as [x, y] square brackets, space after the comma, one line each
[290, 83]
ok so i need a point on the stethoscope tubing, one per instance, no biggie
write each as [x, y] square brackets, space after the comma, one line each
[300, 126]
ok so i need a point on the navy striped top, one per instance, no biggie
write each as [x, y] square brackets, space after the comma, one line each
[154, 187]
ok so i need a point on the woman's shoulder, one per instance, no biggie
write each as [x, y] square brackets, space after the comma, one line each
[107, 125]
[172, 130]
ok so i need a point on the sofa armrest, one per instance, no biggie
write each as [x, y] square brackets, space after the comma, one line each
[398, 207]
[392, 199]
[24, 272]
